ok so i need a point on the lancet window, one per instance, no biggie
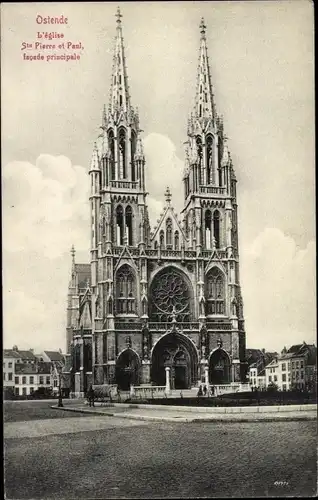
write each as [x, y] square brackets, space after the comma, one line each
[122, 154]
[209, 160]
[133, 151]
[119, 225]
[111, 145]
[129, 231]
[200, 160]
[215, 292]
[208, 229]
[216, 228]
[161, 239]
[126, 290]
[176, 240]
[169, 233]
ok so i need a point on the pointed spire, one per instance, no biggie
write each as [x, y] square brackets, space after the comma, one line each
[193, 153]
[204, 103]
[119, 94]
[139, 154]
[225, 155]
[104, 118]
[94, 160]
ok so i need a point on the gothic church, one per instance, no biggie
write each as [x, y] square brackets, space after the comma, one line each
[161, 303]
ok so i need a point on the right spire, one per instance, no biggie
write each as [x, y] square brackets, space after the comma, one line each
[204, 102]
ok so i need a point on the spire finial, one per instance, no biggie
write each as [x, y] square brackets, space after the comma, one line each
[202, 28]
[118, 15]
[168, 195]
[73, 254]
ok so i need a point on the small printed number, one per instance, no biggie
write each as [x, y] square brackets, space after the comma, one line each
[281, 483]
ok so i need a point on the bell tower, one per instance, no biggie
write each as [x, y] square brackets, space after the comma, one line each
[210, 214]
[119, 214]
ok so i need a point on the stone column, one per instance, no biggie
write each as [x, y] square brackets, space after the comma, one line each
[168, 390]
[206, 376]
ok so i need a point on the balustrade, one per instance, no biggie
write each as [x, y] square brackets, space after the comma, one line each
[124, 184]
[218, 326]
[212, 190]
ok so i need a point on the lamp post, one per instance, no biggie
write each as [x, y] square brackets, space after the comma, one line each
[60, 401]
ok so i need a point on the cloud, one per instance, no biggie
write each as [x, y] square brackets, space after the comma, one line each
[278, 281]
[45, 206]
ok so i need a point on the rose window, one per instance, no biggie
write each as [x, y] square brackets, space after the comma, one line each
[170, 297]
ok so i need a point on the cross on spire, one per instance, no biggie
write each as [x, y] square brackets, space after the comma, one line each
[202, 27]
[73, 258]
[168, 195]
[118, 15]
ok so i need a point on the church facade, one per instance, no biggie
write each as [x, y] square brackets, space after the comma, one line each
[162, 302]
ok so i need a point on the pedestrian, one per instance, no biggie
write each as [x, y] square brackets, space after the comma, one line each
[212, 390]
[200, 393]
[92, 396]
[89, 396]
[204, 390]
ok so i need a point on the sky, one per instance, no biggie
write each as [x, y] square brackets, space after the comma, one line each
[261, 60]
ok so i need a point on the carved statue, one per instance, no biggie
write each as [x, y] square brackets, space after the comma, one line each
[128, 341]
[174, 314]
[234, 307]
[219, 343]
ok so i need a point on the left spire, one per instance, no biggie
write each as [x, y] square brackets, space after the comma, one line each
[119, 93]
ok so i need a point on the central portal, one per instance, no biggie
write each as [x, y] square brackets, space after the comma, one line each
[177, 352]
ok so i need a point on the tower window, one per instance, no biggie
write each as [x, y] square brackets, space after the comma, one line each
[119, 78]
[120, 100]
[200, 110]
[122, 154]
[133, 151]
[111, 145]
[209, 159]
[216, 228]
[208, 229]
[119, 225]
[200, 155]
[215, 292]
[129, 226]
[126, 290]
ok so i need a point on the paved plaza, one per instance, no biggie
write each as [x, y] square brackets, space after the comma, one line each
[67, 456]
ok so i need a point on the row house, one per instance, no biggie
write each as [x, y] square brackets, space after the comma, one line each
[29, 378]
[295, 368]
[25, 372]
[257, 360]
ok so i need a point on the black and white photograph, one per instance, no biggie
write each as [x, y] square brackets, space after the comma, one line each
[159, 250]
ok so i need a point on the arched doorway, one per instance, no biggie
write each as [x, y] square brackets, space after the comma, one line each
[219, 368]
[127, 370]
[177, 352]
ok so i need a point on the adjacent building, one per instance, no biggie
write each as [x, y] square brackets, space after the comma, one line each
[162, 305]
[295, 368]
[25, 372]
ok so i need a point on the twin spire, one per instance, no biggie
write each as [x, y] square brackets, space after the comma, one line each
[119, 90]
[204, 102]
